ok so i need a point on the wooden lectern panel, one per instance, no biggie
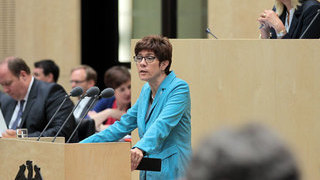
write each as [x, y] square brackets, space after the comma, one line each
[61, 161]
[48, 156]
[98, 161]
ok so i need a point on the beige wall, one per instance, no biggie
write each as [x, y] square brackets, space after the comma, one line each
[232, 81]
[230, 19]
[45, 29]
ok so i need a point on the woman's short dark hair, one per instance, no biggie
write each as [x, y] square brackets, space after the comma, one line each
[116, 76]
[161, 47]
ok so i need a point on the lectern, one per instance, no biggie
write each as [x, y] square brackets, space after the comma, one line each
[66, 161]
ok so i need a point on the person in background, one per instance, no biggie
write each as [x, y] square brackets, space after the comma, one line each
[46, 70]
[85, 77]
[32, 103]
[252, 152]
[161, 113]
[290, 19]
[109, 110]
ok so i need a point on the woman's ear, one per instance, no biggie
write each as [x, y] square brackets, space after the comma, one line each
[164, 65]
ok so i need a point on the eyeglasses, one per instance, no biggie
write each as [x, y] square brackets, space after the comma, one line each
[77, 82]
[149, 59]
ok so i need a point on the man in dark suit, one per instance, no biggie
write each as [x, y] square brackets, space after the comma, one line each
[32, 102]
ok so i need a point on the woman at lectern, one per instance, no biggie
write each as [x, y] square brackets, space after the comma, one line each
[291, 19]
[161, 113]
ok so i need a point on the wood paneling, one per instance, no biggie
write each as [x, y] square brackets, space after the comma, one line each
[42, 29]
[232, 19]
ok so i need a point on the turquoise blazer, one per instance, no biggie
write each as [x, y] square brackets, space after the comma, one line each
[165, 132]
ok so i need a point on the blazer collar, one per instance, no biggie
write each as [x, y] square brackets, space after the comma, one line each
[294, 21]
[161, 90]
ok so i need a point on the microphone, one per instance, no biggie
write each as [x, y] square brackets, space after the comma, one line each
[77, 91]
[208, 31]
[90, 93]
[314, 18]
[106, 93]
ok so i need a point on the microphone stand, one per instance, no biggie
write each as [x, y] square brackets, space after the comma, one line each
[106, 93]
[314, 18]
[84, 115]
[55, 113]
[64, 123]
[209, 32]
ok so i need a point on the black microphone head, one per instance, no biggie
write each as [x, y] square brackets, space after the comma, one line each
[92, 91]
[106, 93]
[77, 91]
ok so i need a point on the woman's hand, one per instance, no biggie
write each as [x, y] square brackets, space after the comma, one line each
[91, 113]
[136, 156]
[270, 19]
[100, 117]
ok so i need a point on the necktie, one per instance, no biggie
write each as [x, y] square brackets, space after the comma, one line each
[15, 123]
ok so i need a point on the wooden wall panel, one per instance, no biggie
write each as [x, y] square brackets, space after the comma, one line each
[42, 29]
[7, 28]
[49, 29]
[232, 19]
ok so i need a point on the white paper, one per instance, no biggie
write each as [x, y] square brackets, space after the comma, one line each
[3, 125]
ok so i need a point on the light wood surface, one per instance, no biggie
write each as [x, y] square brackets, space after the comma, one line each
[232, 82]
[61, 161]
[46, 29]
[234, 19]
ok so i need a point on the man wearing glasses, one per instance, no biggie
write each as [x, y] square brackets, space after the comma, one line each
[85, 77]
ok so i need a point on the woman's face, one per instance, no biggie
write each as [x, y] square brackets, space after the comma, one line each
[123, 93]
[151, 71]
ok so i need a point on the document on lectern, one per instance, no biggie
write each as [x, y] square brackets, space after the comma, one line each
[3, 125]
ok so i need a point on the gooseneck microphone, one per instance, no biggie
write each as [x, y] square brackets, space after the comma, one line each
[77, 91]
[106, 93]
[209, 32]
[91, 92]
[314, 18]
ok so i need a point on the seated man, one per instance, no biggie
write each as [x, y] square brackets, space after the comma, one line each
[32, 102]
[46, 70]
[85, 77]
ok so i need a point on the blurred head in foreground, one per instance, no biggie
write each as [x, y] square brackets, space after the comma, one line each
[252, 152]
